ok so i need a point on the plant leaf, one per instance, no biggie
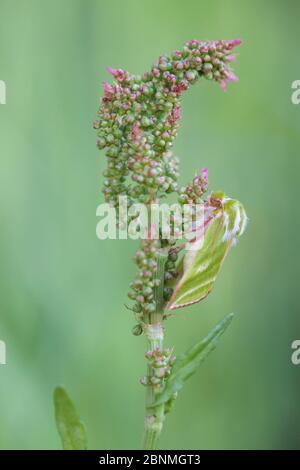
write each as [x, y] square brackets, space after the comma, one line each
[205, 257]
[70, 428]
[186, 365]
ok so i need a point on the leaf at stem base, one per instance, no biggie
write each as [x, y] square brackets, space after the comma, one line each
[70, 428]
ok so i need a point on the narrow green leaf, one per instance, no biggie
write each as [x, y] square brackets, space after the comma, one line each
[186, 365]
[69, 426]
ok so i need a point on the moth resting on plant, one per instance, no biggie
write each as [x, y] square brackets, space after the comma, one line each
[137, 124]
[225, 221]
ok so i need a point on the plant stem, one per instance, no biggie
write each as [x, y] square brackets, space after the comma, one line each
[154, 415]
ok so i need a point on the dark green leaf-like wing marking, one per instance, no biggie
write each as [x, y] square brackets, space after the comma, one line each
[201, 267]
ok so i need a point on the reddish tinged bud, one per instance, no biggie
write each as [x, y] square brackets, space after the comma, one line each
[204, 178]
[231, 77]
[136, 132]
[231, 58]
[223, 85]
[108, 89]
[191, 75]
[197, 60]
[182, 86]
[147, 274]
[235, 42]
[111, 70]
[193, 43]
[178, 65]
[119, 74]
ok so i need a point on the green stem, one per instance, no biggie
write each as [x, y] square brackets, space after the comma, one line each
[154, 415]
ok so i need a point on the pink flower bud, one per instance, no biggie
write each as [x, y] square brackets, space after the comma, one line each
[156, 72]
[231, 58]
[108, 89]
[197, 60]
[231, 76]
[204, 174]
[235, 42]
[136, 132]
[119, 74]
[223, 85]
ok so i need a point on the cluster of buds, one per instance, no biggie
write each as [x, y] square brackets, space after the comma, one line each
[170, 271]
[193, 193]
[160, 362]
[142, 288]
[139, 116]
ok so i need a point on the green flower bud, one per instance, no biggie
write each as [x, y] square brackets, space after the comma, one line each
[137, 330]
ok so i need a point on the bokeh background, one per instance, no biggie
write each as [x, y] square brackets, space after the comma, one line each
[63, 291]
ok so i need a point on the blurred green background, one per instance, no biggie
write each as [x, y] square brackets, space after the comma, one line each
[63, 291]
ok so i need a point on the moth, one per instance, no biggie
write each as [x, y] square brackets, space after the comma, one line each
[225, 221]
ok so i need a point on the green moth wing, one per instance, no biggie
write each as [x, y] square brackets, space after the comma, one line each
[204, 258]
